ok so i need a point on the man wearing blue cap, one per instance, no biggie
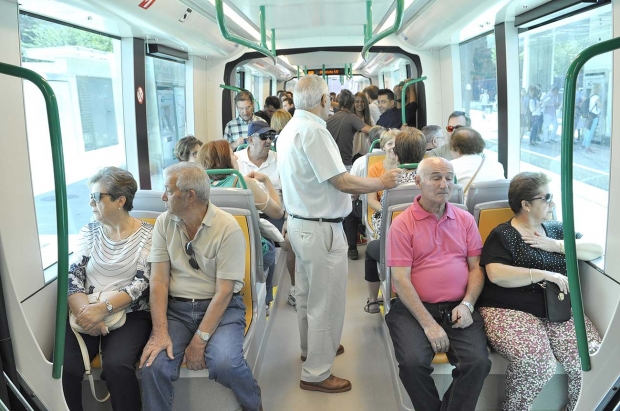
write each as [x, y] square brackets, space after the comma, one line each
[258, 155]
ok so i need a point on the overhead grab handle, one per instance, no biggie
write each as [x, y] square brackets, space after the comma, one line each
[403, 93]
[398, 19]
[262, 48]
[239, 89]
[566, 172]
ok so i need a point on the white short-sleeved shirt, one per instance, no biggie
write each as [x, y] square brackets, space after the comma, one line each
[307, 158]
[219, 248]
[465, 167]
[375, 113]
[269, 167]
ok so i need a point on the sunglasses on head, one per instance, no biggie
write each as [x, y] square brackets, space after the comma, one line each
[452, 128]
[547, 197]
[192, 257]
[96, 196]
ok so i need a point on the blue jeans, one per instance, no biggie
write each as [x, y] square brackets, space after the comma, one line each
[590, 133]
[223, 356]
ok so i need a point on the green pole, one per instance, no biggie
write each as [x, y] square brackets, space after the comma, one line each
[403, 93]
[323, 73]
[368, 25]
[400, 8]
[62, 224]
[568, 215]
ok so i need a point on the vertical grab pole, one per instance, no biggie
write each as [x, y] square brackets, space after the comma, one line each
[568, 122]
[62, 224]
[403, 93]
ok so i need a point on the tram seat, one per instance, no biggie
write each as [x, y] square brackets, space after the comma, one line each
[486, 191]
[491, 214]
[149, 200]
[367, 211]
[405, 194]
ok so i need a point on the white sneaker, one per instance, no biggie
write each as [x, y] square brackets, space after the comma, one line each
[267, 309]
[291, 297]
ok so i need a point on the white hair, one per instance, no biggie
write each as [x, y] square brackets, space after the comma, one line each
[425, 168]
[308, 92]
[190, 176]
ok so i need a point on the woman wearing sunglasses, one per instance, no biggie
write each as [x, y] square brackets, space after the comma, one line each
[519, 256]
[110, 256]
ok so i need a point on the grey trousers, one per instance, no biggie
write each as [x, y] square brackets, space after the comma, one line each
[320, 291]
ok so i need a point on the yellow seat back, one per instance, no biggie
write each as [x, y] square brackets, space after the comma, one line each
[247, 280]
[369, 210]
[491, 218]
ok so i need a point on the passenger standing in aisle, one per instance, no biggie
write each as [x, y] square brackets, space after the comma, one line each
[314, 185]
[236, 130]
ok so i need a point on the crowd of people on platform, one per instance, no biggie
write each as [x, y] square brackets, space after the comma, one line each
[177, 283]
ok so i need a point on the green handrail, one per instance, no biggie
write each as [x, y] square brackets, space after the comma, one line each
[568, 215]
[241, 147]
[408, 166]
[61, 207]
[368, 25]
[229, 171]
[398, 20]
[262, 48]
[323, 73]
[403, 93]
[239, 89]
[374, 144]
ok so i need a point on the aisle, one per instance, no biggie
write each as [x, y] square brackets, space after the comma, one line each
[364, 361]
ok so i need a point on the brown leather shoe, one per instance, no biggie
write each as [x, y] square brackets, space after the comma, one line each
[338, 352]
[330, 385]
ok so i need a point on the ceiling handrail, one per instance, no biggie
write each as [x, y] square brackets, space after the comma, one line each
[566, 179]
[62, 222]
[262, 48]
[404, 92]
[398, 20]
[238, 90]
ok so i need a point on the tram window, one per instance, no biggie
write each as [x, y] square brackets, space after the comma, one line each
[84, 69]
[166, 120]
[545, 54]
[479, 86]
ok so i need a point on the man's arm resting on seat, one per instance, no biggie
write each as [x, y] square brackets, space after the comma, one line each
[351, 184]
[194, 353]
[475, 282]
[158, 300]
[401, 276]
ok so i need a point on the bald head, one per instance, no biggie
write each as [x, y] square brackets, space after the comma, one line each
[432, 164]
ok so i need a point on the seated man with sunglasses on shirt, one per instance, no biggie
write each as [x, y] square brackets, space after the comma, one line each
[456, 120]
[434, 251]
[197, 270]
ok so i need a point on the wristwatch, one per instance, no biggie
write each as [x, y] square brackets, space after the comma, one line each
[108, 306]
[203, 336]
[468, 305]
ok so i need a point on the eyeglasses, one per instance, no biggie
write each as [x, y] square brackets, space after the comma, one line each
[96, 196]
[547, 197]
[446, 317]
[452, 128]
[266, 136]
[192, 257]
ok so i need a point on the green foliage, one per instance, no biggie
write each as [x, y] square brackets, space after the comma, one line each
[37, 33]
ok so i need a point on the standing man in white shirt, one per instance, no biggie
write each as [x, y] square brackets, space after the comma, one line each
[315, 184]
[372, 94]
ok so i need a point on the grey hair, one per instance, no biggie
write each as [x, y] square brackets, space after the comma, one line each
[431, 131]
[118, 183]
[375, 133]
[425, 166]
[309, 91]
[190, 176]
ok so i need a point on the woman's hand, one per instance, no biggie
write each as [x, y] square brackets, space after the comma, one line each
[90, 317]
[559, 279]
[258, 176]
[99, 329]
[542, 242]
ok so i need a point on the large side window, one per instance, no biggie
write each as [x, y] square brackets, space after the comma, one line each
[84, 69]
[166, 120]
[545, 54]
[479, 86]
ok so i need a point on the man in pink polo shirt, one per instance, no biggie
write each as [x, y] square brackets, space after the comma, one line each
[434, 251]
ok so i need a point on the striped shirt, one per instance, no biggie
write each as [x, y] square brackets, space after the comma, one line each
[238, 127]
[100, 264]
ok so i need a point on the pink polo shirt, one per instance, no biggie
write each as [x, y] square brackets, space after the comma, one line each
[436, 250]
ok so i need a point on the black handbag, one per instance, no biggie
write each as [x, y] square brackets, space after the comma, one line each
[557, 304]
